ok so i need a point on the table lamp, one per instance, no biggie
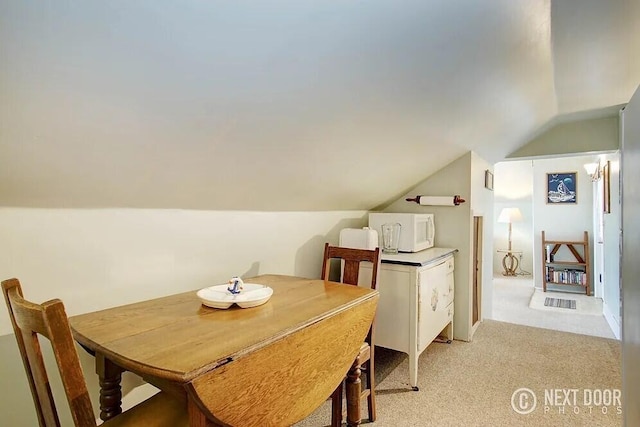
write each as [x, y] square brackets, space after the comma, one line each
[509, 262]
[510, 215]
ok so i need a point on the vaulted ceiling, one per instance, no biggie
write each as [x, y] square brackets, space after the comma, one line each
[288, 105]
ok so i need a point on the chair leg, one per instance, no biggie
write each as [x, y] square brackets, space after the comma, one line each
[371, 384]
[336, 406]
[354, 389]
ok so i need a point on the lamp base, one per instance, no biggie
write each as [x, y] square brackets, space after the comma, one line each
[510, 264]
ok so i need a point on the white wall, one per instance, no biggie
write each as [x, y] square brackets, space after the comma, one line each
[560, 222]
[514, 189]
[94, 259]
[574, 136]
[482, 204]
[630, 265]
[612, 237]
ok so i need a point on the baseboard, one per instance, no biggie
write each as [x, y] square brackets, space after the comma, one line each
[611, 320]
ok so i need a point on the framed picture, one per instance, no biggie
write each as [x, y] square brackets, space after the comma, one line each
[488, 180]
[606, 188]
[562, 188]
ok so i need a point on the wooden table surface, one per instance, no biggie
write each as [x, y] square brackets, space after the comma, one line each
[267, 365]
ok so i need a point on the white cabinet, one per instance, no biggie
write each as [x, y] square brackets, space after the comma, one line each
[416, 302]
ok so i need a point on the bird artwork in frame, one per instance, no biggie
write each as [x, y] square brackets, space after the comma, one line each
[562, 188]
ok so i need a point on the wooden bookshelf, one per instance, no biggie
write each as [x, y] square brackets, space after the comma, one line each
[566, 271]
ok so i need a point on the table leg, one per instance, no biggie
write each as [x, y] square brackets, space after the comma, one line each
[336, 405]
[196, 417]
[354, 390]
[109, 376]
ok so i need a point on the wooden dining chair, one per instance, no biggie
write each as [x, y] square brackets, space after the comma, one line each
[365, 359]
[50, 320]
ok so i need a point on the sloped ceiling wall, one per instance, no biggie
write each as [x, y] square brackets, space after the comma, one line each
[294, 105]
[578, 136]
[594, 61]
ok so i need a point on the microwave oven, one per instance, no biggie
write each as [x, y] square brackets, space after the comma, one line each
[417, 231]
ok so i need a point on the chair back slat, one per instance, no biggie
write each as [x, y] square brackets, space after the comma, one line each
[351, 272]
[49, 320]
[352, 259]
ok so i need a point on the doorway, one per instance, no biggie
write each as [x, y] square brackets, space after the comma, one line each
[524, 184]
[477, 270]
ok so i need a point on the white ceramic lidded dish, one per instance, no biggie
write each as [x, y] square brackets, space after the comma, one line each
[218, 296]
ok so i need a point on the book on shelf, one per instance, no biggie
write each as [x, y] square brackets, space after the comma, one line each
[548, 253]
[566, 276]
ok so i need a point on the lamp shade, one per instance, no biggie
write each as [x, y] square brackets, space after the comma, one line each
[509, 215]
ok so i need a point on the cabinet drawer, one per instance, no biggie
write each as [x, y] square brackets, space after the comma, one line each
[436, 285]
[436, 273]
[432, 323]
[450, 265]
[439, 297]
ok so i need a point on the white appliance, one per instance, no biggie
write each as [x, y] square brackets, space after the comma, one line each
[358, 238]
[417, 231]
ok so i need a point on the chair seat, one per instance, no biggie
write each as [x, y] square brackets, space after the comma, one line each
[160, 410]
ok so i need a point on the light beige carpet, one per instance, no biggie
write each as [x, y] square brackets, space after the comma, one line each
[511, 299]
[584, 304]
[472, 384]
